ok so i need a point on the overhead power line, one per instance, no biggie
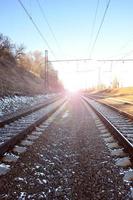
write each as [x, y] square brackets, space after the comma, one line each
[94, 22]
[102, 21]
[71, 60]
[127, 54]
[36, 27]
[46, 20]
[98, 60]
[122, 55]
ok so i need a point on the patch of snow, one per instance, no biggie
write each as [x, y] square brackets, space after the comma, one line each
[11, 104]
[128, 176]
[65, 114]
[113, 145]
[9, 157]
[131, 189]
[109, 139]
[117, 152]
[4, 168]
[32, 137]
[19, 149]
[26, 142]
[123, 162]
[22, 196]
[106, 135]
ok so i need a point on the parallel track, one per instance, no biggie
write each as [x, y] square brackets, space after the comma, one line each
[18, 114]
[12, 131]
[124, 101]
[120, 125]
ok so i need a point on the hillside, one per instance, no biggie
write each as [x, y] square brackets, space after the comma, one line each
[16, 80]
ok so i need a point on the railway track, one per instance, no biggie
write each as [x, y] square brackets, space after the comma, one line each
[117, 100]
[18, 114]
[14, 129]
[119, 124]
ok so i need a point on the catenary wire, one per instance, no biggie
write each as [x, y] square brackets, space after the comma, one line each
[48, 24]
[102, 21]
[94, 22]
[36, 27]
[122, 48]
[88, 59]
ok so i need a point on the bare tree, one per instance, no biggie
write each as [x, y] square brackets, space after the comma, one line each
[6, 48]
[19, 51]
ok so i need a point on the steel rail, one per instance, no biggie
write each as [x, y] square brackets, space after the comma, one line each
[18, 114]
[10, 143]
[123, 141]
[124, 101]
[128, 115]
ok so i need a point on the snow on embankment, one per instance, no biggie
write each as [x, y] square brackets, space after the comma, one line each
[10, 104]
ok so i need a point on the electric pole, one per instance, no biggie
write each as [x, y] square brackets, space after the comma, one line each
[46, 71]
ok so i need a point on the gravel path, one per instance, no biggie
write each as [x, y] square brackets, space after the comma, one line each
[68, 162]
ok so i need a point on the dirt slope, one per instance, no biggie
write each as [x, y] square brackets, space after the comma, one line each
[16, 80]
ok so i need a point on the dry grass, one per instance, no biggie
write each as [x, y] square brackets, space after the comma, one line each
[119, 98]
[115, 92]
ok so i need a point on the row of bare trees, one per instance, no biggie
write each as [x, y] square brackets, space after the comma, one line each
[33, 62]
[9, 50]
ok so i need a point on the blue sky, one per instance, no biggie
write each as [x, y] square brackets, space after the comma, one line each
[71, 21]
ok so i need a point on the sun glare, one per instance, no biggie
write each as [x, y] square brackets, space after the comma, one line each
[71, 85]
[78, 76]
[71, 82]
[72, 89]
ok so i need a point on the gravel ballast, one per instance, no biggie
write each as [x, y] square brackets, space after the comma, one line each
[68, 162]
